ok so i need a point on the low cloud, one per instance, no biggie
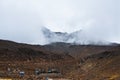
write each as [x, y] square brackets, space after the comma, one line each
[22, 20]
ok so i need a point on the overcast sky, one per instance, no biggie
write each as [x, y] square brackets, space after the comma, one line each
[21, 20]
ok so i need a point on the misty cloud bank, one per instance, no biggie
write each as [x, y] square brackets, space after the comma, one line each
[77, 37]
[94, 20]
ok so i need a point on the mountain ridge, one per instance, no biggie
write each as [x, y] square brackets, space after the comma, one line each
[77, 37]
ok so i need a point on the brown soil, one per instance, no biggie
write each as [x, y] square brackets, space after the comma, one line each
[75, 62]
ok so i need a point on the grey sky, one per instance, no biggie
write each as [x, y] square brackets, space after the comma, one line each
[21, 20]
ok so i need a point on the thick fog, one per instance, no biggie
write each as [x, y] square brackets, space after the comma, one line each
[22, 20]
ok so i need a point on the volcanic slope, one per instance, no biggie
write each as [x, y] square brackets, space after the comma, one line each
[76, 62]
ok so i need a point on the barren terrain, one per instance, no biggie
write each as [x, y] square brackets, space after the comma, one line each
[74, 62]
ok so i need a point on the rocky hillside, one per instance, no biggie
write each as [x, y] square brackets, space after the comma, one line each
[76, 62]
[23, 52]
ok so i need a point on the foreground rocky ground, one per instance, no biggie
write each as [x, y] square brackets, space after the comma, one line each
[74, 62]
